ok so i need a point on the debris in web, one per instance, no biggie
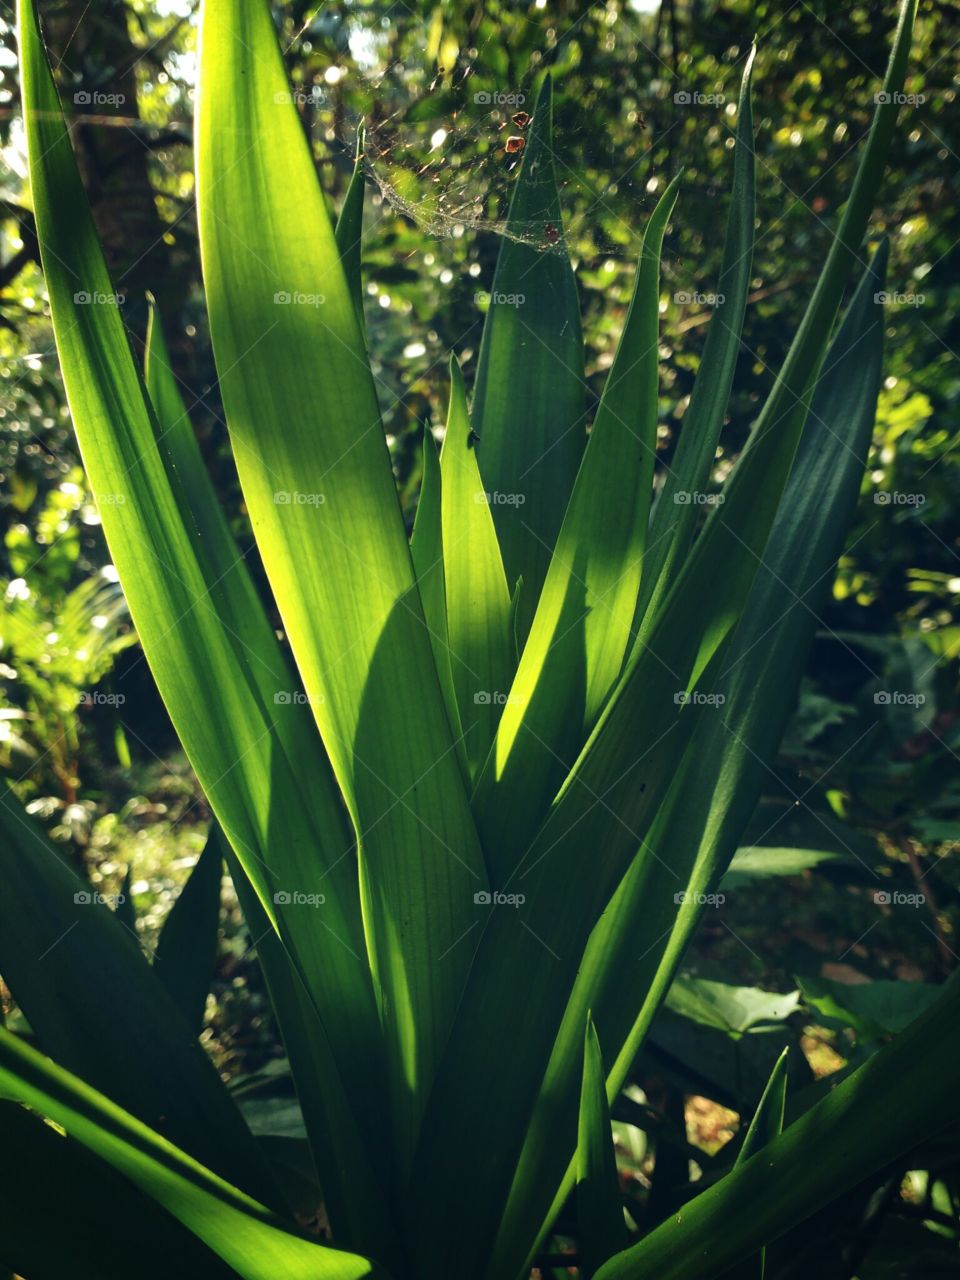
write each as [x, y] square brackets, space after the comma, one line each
[448, 157]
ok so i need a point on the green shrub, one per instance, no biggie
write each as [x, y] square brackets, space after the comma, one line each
[474, 826]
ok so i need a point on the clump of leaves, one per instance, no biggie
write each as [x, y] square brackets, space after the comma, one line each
[474, 821]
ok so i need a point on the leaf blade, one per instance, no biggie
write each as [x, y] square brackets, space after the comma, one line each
[528, 398]
[337, 1056]
[187, 947]
[71, 965]
[581, 628]
[600, 1225]
[315, 470]
[177, 561]
[243, 1233]
[477, 598]
[737, 1215]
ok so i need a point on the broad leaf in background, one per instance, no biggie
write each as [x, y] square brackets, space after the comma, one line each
[760, 862]
[728, 1008]
[834, 1146]
[723, 1040]
[875, 1010]
[529, 397]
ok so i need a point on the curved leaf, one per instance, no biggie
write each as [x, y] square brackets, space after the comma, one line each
[832, 1147]
[41, 1168]
[72, 965]
[249, 1237]
[203, 629]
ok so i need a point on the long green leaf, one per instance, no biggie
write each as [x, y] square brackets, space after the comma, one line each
[254, 1241]
[350, 1165]
[529, 395]
[477, 597]
[581, 629]
[203, 630]
[72, 966]
[316, 475]
[675, 513]
[601, 1230]
[767, 1124]
[349, 230]
[834, 1146]
[426, 549]
[336, 1059]
[187, 947]
[699, 828]
[254, 749]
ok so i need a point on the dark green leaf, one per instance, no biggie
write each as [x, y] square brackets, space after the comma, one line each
[601, 1230]
[529, 395]
[187, 947]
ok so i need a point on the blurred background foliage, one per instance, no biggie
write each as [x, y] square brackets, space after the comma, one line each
[866, 786]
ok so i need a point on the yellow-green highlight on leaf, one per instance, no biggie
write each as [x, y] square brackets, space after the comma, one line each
[478, 601]
[426, 548]
[316, 475]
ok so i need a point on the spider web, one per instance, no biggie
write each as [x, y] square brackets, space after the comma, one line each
[448, 158]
